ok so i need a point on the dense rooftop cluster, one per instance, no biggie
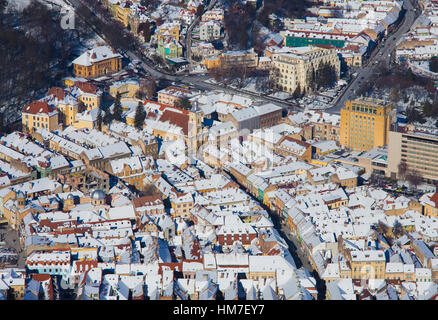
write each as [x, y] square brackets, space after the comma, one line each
[181, 193]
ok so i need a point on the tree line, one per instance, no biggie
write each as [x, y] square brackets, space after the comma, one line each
[283, 8]
[323, 77]
[35, 51]
[237, 24]
[97, 15]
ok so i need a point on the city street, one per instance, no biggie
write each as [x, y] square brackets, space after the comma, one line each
[195, 81]
[381, 53]
[300, 257]
[188, 39]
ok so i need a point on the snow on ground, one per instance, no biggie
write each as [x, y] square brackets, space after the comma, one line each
[251, 85]
[422, 187]
[281, 95]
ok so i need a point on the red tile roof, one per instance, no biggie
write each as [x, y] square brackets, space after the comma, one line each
[86, 87]
[162, 106]
[434, 199]
[38, 107]
[176, 118]
[59, 93]
[146, 200]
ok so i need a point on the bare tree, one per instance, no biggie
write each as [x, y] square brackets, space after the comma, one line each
[397, 229]
[273, 77]
[216, 74]
[402, 169]
[380, 228]
[150, 88]
[414, 178]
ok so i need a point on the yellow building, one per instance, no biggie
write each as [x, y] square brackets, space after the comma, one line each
[130, 119]
[127, 89]
[69, 112]
[171, 96]
[132, 170]
[168, 30]
[130, 104]
[292, 69]
[88, 93]
[345, 178]
[181, 205]
[69, 81]
[212, 62]
[368, 264]
[86, 119]
[65, 102]
[430, 204]
[97, 62]
[365, 124]
[15, 209]
[38, 114]
[247, 58]
[121, 13]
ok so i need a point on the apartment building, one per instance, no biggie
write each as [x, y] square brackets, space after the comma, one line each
[165, 30]
[181, 205]
[214, 14]
[210, 30]
[247, 58]
[292, 68]
[132, 170]
[121, 12]
[365, 124]
[417, 148]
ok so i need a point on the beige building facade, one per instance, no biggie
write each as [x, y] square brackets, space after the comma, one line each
[291, 69]
[418, 149]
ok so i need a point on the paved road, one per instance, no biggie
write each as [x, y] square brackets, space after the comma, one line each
[380, 53]
[188, 39]
[196, 81]
[298, 254]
